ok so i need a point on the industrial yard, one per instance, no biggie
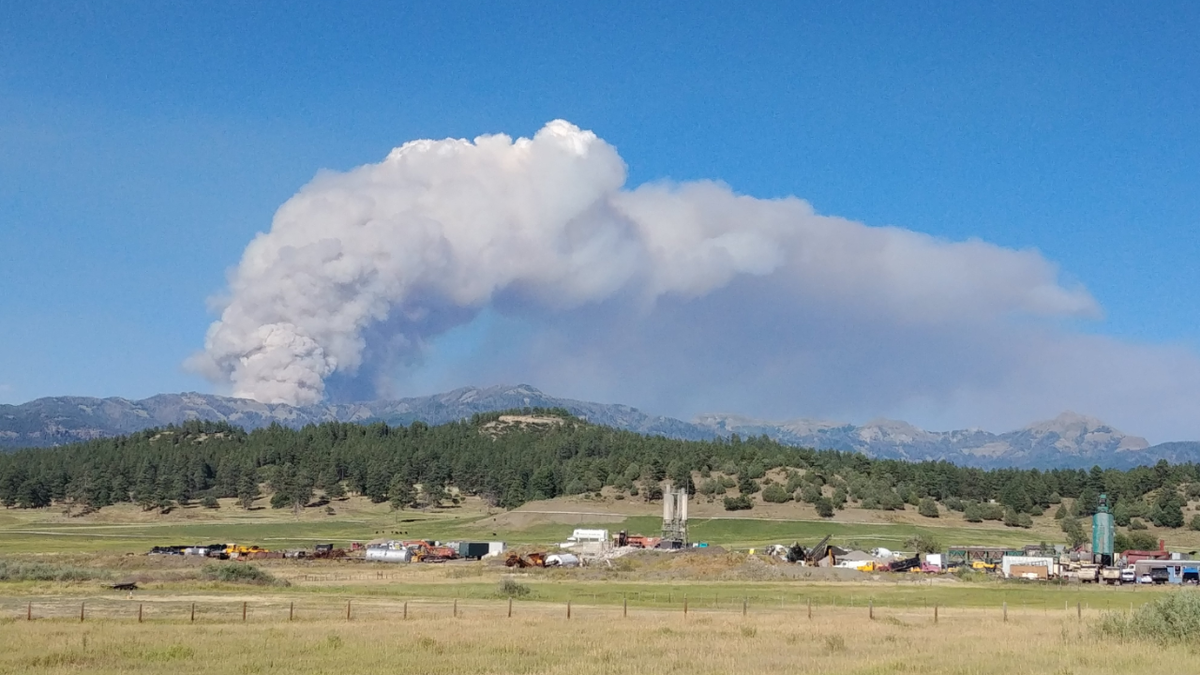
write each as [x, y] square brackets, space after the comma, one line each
[550, 592]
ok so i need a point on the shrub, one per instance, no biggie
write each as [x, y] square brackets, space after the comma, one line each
[810, 493]
[835, 643]
[1135, 524]
[954, 504]
[210, 502]
[739, 503]
[839, 498]
[747, 486]
[1141, 541]
[775, 494]
[1074, 531]
[928, 508]
[824, 507]
[32, 571]
[1171, 619]
[240, 573]
[973, 513]
[1194, 523]
[923, 543]
[1010, 517]
[511, 588]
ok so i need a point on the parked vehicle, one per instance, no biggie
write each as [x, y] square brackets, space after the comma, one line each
[1128, 575]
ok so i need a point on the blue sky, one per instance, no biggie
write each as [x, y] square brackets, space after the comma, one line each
[142, 146]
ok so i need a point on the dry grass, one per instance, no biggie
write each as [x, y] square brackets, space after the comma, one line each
[540, 639]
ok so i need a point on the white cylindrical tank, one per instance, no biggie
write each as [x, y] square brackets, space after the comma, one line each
[562, 560]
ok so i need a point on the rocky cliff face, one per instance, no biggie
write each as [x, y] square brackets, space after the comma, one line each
[1069, 440]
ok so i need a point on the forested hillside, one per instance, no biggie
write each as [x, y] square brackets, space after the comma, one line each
[509, 462]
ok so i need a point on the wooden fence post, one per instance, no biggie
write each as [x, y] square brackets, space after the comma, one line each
[935, 617]
[456, 608]
[1005, 611]
[347, 610]
[291, 610]
[745, 602]
[139, 612]
[193, 619]
[405, 610]
[243, 611]
[685, 605]
[1079, 611]
[29, 612]
[510, 608]
[810, 608]
[81, 612]
[568, 609]
[625, 607]
[871, 609]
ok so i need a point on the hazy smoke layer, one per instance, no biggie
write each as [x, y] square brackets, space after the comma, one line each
[360, 269]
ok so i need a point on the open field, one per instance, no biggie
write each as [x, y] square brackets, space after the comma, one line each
[625, 617]
[127, 529]
[539, 638]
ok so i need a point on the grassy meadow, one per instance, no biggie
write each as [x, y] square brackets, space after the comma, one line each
[539, 638]
[126, 528]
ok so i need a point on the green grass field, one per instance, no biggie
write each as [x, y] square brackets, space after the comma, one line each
[125, 529]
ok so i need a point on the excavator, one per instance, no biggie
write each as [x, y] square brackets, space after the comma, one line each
[814, 555]
[423, 551]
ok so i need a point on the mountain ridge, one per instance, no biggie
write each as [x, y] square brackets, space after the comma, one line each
[1070, 440]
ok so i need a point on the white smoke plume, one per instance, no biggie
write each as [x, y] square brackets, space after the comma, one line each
[361, 270]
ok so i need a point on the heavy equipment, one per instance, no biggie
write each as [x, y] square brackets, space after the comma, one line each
[515, 559]
[812, 556]
[905, 564]
[423, 551]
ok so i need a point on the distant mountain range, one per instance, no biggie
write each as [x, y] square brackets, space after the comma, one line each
[1069, 440]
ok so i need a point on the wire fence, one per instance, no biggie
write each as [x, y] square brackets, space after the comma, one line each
[257, 609]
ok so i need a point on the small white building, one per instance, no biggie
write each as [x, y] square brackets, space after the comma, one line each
[1008, 562]
[585, 541]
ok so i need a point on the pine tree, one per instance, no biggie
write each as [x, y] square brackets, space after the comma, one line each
[247, 490]
[401, 493]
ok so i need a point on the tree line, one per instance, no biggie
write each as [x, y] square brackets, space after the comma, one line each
[421, 465]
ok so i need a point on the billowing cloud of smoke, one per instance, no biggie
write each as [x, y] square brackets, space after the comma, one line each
[361, 270]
